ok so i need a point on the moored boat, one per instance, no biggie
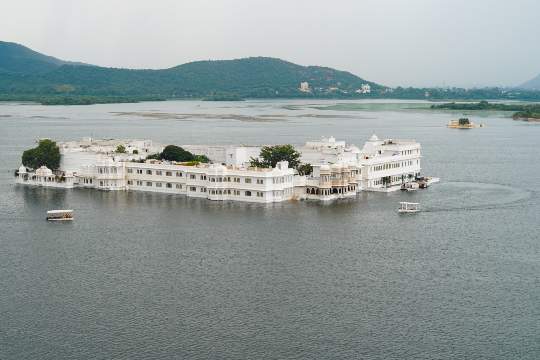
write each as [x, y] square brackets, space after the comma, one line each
[60, 215]
[410, 186]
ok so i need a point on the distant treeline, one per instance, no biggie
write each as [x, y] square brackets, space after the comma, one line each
[531, 111]
[78, 99]
[484, 105]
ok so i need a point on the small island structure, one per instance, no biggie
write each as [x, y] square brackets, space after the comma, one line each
[321, 170]
[463, 123]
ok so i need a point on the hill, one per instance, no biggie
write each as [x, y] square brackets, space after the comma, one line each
[18, 59]
[533, 84]
[26, 73]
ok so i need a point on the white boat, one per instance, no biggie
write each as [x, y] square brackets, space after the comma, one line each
[408, 207]
[60, 215]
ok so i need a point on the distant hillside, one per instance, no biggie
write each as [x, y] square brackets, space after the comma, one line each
[26, 75]
[26, 72]
[18, 59]
[533, 84]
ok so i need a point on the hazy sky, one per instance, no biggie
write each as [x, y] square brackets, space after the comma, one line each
[393, 42]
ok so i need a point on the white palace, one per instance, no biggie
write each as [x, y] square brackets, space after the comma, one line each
[340, 170]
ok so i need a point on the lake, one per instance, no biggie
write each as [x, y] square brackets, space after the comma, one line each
[155, 276]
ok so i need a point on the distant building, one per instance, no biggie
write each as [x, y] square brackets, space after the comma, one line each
[364, 89]
[304, 87]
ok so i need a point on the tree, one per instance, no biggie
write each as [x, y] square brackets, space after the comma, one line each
[121, 149]
[46, 154]
[304, 169]
[271, 155]
[201, 158]
[176, 153]
[464, 121]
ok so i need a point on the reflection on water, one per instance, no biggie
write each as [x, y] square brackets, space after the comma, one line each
[145, 276]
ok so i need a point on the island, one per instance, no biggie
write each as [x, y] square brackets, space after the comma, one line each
[527, 116]
[527, 112]
[463, 123]
[320, 170]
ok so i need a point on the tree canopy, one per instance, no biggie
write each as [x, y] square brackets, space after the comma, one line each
[176, 153]
[271, 155]
[46, 153]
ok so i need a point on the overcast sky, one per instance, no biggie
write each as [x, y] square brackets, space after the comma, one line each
[393, 42]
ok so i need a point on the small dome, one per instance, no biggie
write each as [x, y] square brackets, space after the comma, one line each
[44, 171]
[22, 169]
[373, 138]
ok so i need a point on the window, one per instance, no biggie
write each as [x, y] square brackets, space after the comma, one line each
[101, 183]
[130, 171]
[158, 172]
[159, 184]
[193, 188]
[179, 173]
[168, 173]
[169, 185]
[260, 181]
[148, 183]
[178, 186]
[192, 176]
[130, 182]
[139, 171]
[247, 181]
[203, 189]
[139, 183]
[248, 193]
[203, 177]
[148, 172]
[259, 194]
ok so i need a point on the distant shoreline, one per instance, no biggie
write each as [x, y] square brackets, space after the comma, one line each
[441, 104]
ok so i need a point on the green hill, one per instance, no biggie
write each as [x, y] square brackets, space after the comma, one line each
[25, 74]
[18, 59]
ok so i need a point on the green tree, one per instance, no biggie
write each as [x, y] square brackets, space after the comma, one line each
[176, 153]
[271, 155]
[46, 153]
[121, 149]
[304, 169]
[201, 158]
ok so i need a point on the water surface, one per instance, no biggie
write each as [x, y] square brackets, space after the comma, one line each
[154, 276]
